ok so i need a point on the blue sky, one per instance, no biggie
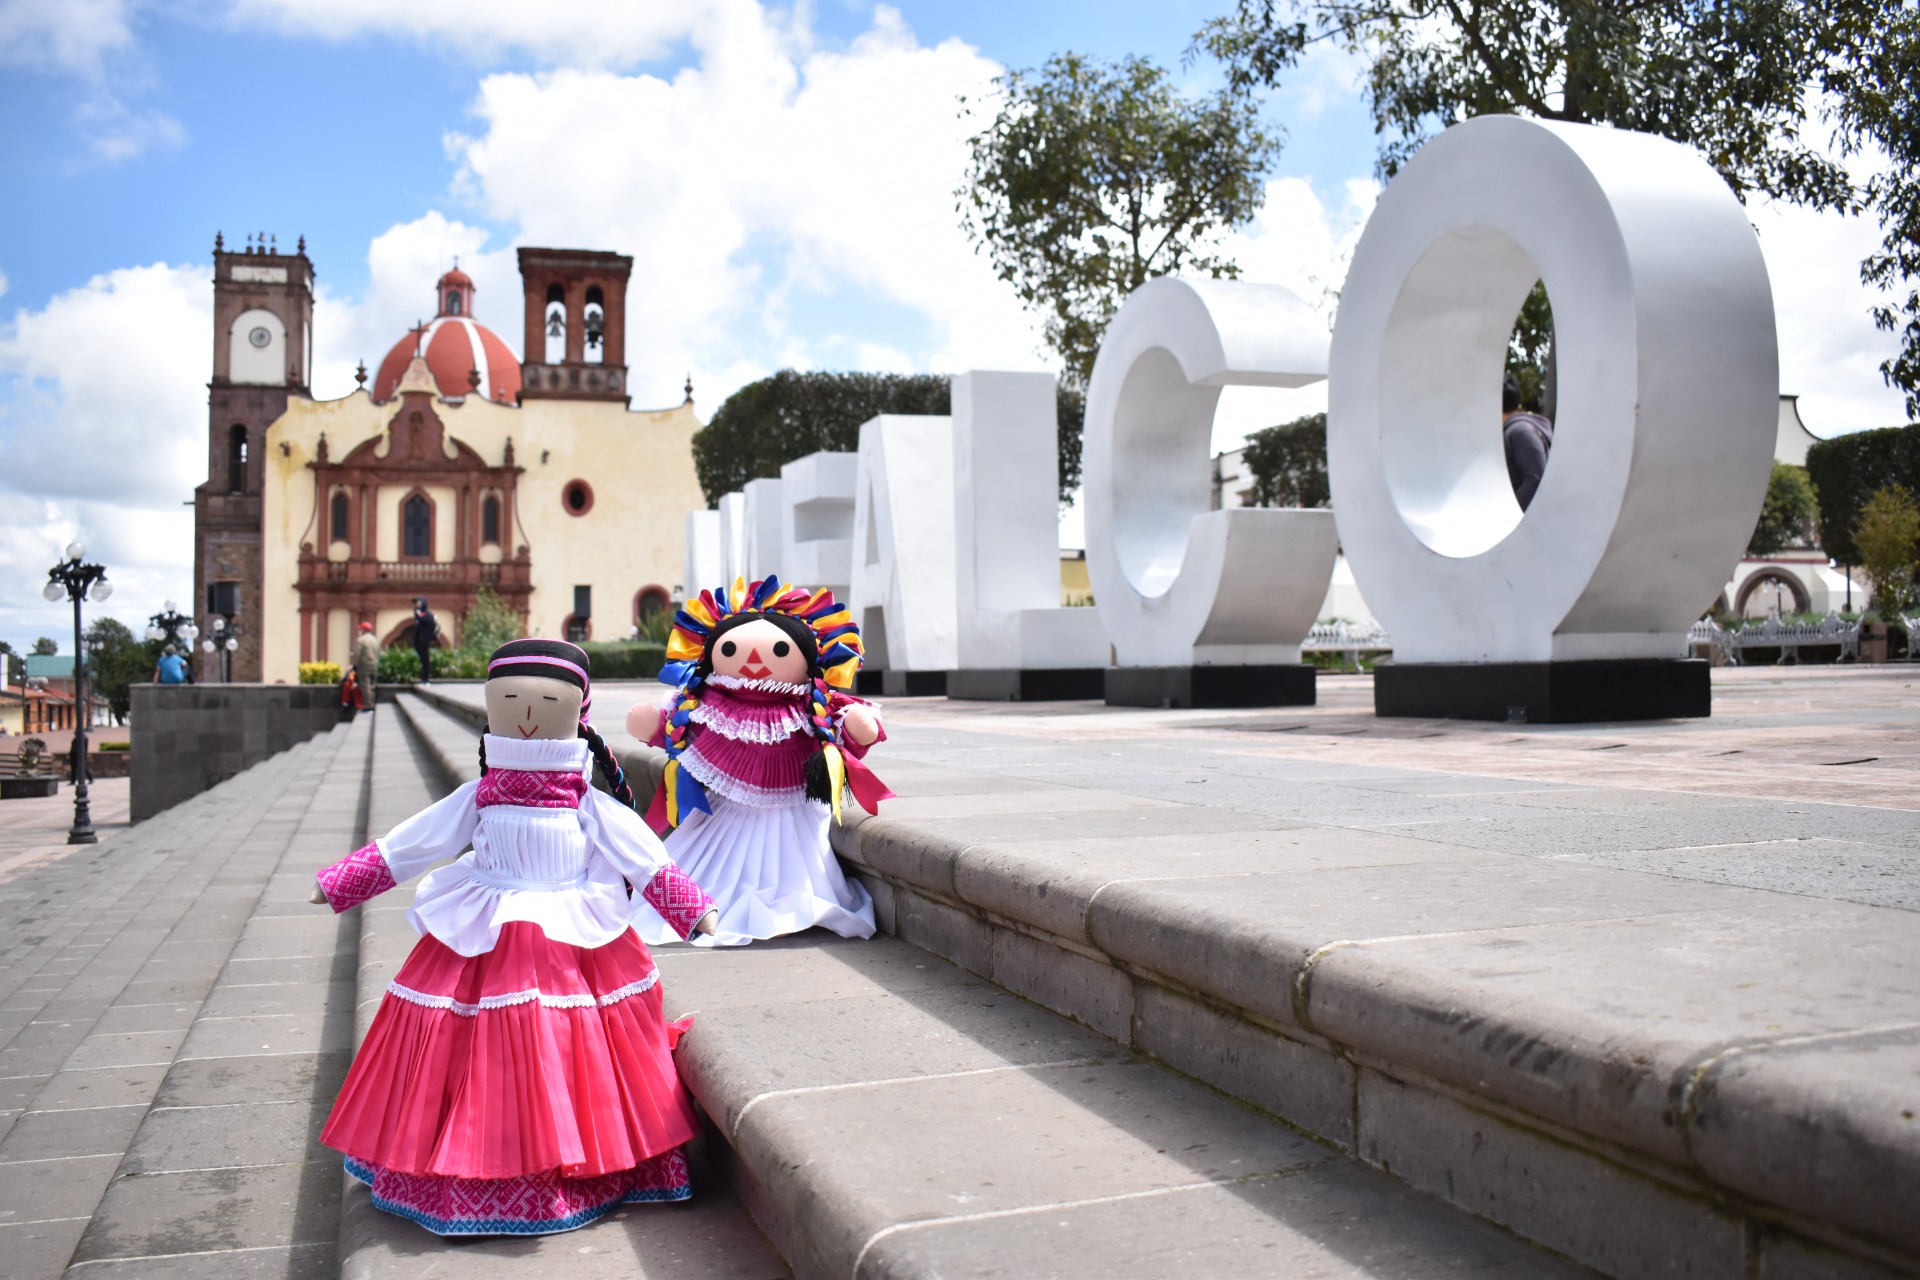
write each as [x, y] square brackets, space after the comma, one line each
[782, 177]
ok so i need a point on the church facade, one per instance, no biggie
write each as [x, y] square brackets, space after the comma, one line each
[462, 467]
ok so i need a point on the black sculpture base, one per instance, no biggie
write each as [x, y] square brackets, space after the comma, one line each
[1545, 692]
[1288, 685]
[874, 682]
[1026, 684]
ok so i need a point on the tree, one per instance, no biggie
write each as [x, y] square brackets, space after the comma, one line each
[1788, 515]
[45, 645]
[769, 423]
[1289, 464]
[1092, 177]
[116, 661]
[1848, 470]
[488, 624]
[1888, 535]
[1741, 81]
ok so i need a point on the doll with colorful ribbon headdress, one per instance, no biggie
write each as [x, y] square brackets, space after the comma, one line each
[518, 1078]
[763, 746]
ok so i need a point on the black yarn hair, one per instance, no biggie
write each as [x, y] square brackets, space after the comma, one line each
[819, 781]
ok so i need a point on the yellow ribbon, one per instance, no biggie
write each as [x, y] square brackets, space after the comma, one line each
[836, 778]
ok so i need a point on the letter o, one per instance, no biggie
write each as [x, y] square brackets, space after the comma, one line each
[1668, 387]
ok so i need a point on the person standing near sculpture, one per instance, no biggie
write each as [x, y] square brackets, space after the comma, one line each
[366, 664]
[426, 630]
[1529, 438]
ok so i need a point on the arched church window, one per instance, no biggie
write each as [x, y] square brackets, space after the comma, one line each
[416, 528]
[595, 325]
[556, 322]
[490, 520]
[453, 302]
[337, 516]
[236, 459]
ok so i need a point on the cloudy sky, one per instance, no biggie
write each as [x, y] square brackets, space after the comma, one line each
[783, 178]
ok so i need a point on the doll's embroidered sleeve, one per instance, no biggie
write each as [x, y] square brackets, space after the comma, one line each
[438, 832]
[619, 835]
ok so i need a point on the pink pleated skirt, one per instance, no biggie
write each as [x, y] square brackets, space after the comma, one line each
[523, 1091]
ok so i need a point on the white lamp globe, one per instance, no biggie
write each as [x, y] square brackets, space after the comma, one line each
[155, 633]
[232, 644]
[54, 591]
[207, 646]
[101, 589]
[76, 549]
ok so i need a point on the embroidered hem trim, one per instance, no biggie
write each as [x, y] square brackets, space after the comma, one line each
[503, 1226]
[725, 784]
[792, 720]
[583, 1000]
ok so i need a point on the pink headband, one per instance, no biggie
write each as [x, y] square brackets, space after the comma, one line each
[520, 659]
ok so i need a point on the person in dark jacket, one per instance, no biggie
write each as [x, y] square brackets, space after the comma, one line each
[1528, 438]
[426, 630]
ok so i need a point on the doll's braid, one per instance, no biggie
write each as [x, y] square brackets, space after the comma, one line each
[820, 720]
[609, 767]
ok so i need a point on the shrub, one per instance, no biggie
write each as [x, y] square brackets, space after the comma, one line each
[488, 624]
[1788, 515]
[1888, 537]
[319, 673]
[1848, 470]
[398, 665]
[625, 659]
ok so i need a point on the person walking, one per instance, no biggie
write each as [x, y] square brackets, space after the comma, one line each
[366, 664]
[426, 630]
[1528, 438]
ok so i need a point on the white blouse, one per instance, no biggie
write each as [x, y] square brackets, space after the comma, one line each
[565, 870]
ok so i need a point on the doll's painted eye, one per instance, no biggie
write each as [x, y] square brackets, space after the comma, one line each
[781, 648]
[728, 648]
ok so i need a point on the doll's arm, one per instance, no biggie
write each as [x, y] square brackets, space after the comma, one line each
[435, 833]
[619, 835]
[860, 725]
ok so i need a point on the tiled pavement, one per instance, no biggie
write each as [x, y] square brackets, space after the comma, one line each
[107, 999]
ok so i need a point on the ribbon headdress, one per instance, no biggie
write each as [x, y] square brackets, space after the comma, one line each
[837, 640]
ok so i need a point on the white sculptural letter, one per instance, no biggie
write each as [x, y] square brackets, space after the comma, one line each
[1178, 585]
[901, 582]
[816, 519]
[1668, 378]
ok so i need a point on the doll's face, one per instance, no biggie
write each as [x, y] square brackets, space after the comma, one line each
[759, 650]
[532, 707]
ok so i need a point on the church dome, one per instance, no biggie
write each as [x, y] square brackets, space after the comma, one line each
[456, 347]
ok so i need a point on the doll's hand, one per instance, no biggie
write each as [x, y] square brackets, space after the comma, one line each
[642, 718]
[858, 723]
[708, 922]
[318, 897]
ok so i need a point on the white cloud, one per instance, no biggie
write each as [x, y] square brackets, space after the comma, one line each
[115, 132]
[74, 36]
[103, 428]
[1830, 351]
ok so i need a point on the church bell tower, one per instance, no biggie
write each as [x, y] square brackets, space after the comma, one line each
[576, 345]
[262, 355]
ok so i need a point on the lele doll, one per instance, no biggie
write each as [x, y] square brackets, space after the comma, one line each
[762, 743]
[518, 1078]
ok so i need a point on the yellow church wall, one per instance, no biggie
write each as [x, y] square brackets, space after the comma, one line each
[638, 464]
[339, 636]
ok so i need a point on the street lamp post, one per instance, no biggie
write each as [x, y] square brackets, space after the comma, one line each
[223, 637]
[77, 581]
[170, 625]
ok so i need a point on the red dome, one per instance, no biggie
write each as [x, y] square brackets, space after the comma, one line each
[455, 348]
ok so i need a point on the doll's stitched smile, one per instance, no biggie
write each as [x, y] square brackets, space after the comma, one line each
[753, 668]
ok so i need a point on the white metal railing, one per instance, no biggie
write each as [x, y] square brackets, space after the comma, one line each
[1788, 637]
[1348, 639]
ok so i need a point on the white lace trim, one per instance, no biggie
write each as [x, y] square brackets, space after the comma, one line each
[793, 720]
[536, 755]
[766, 684]
[581, 1001]
[720, 782]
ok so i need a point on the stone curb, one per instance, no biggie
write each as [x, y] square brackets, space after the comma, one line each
[1648, 1076]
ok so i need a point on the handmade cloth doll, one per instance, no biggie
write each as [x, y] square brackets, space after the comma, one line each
[762, 743]
[518, 1078]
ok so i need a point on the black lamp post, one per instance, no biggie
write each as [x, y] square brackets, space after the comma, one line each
[75, 580]
[170, 624]
[223, 637]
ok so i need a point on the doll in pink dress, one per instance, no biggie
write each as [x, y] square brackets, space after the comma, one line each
[762, 742]
[518, 1078]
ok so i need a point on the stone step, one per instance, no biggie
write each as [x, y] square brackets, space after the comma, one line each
[166, 1037]
[884, 1112]
[420, 754]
